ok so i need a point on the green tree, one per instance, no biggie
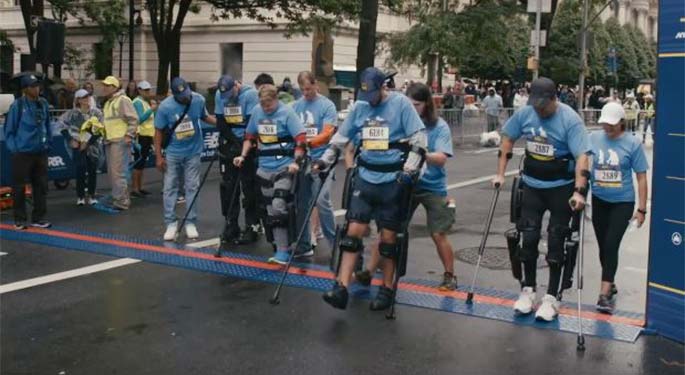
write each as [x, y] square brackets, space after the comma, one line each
[560, 60]
[628, 69]
[646, 61]
[597, 55]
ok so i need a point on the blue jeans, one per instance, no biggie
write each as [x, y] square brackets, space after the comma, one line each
[181, 167]
[308, 187]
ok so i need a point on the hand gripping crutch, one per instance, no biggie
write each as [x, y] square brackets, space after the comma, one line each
[192, 202]
[236, 185]
[481, 249]
[323, 176]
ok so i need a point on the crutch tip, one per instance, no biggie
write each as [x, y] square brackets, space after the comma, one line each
[581, 344]
[469, 299]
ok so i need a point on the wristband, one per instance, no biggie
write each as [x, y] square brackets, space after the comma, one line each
[644, 212]
[582, 190]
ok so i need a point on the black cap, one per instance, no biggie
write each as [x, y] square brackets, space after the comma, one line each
[542, 91]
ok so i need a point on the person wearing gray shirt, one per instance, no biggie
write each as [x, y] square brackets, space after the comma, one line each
[492, 104]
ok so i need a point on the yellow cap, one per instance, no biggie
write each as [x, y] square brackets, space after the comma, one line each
[111, 81]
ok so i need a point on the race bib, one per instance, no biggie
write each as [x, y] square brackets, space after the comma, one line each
[312, 132]
[185, 130]
[268, 133]
[233, 114]
[375, 138]
[609, 178]
[540, 150]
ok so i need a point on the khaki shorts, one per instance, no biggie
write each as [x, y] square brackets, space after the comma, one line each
[440, 218]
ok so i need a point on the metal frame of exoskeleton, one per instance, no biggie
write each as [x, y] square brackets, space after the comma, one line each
[291, 203]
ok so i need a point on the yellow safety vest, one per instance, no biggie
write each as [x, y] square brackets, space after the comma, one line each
[146, 128]
[115, 126]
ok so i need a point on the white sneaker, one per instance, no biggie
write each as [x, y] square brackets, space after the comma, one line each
[191, 231]
[549, 309]
[170, 233]
[80, 202]
[524, 305]
[92, 201]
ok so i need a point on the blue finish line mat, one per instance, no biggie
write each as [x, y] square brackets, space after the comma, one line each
[488, 303]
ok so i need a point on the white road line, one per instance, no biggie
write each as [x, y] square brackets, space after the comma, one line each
[6, 288]
[1, 253]
[338, 213]
[635, 269]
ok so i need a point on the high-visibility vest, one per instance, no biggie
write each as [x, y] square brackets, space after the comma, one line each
[146, 128]
[115, 126]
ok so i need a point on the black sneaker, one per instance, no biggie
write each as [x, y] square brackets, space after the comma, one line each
[41, 224]
[337, 296]
[383, 300]
[305, 253]
[20, 226]
[363, 277]
[230, 233]
[248, 236]
[449, 282]
[137, 194]
[605, 304]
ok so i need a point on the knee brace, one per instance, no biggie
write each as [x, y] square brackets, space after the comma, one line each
[530, 233]
[513, 244]
[388, 250]
[556, 238]
[351, 244]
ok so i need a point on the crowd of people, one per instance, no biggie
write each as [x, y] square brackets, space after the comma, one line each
[277, 157]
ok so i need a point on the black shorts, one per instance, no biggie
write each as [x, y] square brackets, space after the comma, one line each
[143, 154]
[380, 202]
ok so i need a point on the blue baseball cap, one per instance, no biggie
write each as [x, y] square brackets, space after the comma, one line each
[29, 80]
[180, 88]
[225, 86]
[371, 82]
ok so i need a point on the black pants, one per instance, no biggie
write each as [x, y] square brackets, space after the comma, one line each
[34, 168]
[610, 221]
[534, 204]
[141, 156]
[246, 177]
[86, 173]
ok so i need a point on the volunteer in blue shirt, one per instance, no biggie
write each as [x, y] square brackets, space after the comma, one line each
[615, 156]
[319, 118]
[233, 104]
[380, 120]
[431, 191]
[182, 155]
[277, 132]
[28, 138]
[554, 174]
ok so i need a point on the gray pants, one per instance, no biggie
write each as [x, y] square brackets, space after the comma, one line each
[277, 207]
[117, 169]
[493, 122]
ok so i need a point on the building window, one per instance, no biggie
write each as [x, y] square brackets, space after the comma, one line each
[102, 61]
[232, 60]
[6, 65]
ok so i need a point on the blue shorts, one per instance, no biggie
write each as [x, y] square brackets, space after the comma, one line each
[380, 202]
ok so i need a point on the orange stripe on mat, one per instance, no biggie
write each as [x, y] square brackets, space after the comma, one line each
[314, 273]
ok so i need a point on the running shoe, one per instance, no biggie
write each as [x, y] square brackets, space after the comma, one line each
[281, 257]
[526, 301]
[41, 224]
[80, 202]
[548, 310]
[337, 296]
[605, 304]
[449, 282]
[383, 299]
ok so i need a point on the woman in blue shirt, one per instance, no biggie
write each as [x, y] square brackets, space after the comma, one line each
[616, 155]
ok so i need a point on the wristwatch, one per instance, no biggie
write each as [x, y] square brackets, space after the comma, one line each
[644, 212]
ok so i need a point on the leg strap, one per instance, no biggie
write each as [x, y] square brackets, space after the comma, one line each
[351, 244]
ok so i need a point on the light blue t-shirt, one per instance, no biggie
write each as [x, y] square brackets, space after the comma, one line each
[492, 104]
[561, 135]
[613, 162]
[187, 138]
[434, 179]
[237, 109]
[287, 124]
[314, 114]
[397, 114]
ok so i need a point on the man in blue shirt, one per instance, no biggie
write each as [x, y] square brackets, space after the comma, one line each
[233, 104]
[178, 117]
[555, 173]
[319, 118]
[391, 135]
[28, 138]
[277, 133]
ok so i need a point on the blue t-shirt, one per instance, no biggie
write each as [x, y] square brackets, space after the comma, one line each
[237, 111]
[434, 179]
[394, 119]
[613, 162]
[187, 138]
[287, 124]
[314, 114]
[561, 135]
